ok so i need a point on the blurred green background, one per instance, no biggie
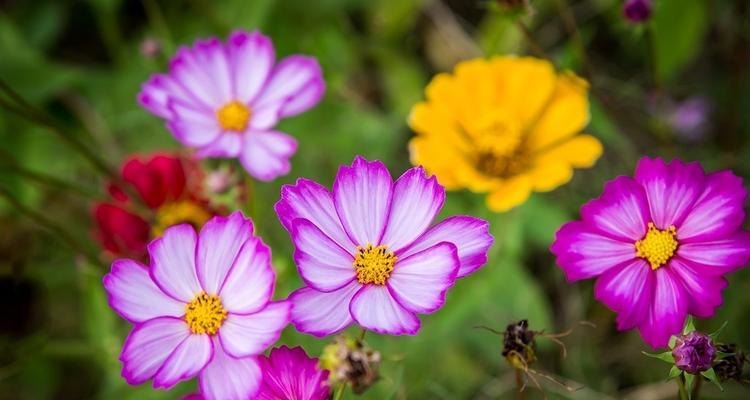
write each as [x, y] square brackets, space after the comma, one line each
[82, 63]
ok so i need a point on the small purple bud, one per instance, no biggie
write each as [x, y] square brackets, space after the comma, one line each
[689, 118]
[694, 352]
[637, 11]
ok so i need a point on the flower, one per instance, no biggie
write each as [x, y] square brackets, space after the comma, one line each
[351, 362]
[289, 374]
[505, 126]
[693, 352]
[660, 244]
[637, 11]
[225, 99]
[729, 362]
[168, 185]
[366, 253]
[202, 308]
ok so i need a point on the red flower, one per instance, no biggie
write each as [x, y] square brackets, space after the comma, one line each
[169, 192]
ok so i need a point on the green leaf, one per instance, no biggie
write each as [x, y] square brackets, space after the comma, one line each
[711, 376]
[718, 331]
[689, 325]
[674, 372]
[679, 29]
[666, 356]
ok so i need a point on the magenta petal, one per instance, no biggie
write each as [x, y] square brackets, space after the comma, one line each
[251, 56]
[322, 264]
[717, 212]
[265, 155]
[219, 242]
[295, 85]
[621, 212]
[470, 235]
[227, 144]
[185, 362]
[320, 313]
[671, 188]
[149, 345]
[189, 70]
[375, 309]
[420, 282]
[213, 59]
[134, 295]
[362, 196]
[192, 127]
[627, 290]
[173, 262]
[416, 201]
[585, 253]
[227, 377]
[703, 291]
[252, 266]
[313, 202]
[668, 310]
[721, 256]
[251, 334]
[291, 374]
[305, 99]
[156, 93]
[264, 118]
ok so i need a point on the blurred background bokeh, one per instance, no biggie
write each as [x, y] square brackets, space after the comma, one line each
[675, 86]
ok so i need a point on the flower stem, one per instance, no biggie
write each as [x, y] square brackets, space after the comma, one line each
[362, 334]
[535, 47]
[696, 387]
[520, 385]
[571, 27]
[681, 388]
[339, 393]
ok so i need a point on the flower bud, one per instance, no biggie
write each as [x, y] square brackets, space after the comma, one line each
[694, 352]
[637, 11]
[729, 367]
[351, 361]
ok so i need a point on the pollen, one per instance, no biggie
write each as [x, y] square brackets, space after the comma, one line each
[658, 246]
[233, 116]
[177, 212]
[373, 264]
[205, 314]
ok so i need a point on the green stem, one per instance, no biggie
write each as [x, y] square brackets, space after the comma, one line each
[339, 393]
[362, 334]
[681, 388]
[696, 387]
[652, 58]
[529, 36]
[52, 181]
[571, 27]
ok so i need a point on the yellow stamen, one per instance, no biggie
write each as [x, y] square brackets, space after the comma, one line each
[233, 116]
[374, 264]
[177, 212]
[205, 314]
[658, 246]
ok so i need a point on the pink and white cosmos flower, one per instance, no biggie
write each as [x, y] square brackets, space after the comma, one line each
[659, 245]
[224, 99]
[202, 308]
[367, 252]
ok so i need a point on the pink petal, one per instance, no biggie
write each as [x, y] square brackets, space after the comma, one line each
[252, 266]
[719, 256]
[251, 334]
[265, 155]
[227, 145]
[703, 291]
[251, 57]
[313, 202]
[229, 378]
[289, 87]
[627, 289]
[322, 263]
[717, 212]
[362, 196]
[264, 117]
[219, 243]
[416, 201]
[192, 127]
[374, 308]
[621, 212]
[149, 345]
[470, 235]
[668, 310]
[191, 73]
[158, 90]
[213, 59]
[671, 189]
[134, 296]
[584, 253]
[321, 313]
[420, 282]
[185, 362]
[173, 262]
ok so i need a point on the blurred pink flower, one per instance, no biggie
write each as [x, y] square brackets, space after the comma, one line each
[637, 11]
[289, 374]
[225, 99]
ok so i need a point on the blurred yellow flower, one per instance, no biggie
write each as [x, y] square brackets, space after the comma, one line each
[505, 126]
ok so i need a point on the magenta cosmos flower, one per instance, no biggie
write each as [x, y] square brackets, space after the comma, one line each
[225, 99]
[367, 252]
[202, 308]
[660, 244]
[289, 374]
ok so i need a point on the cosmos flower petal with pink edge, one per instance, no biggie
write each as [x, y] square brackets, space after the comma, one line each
[659, 245]
[289, 374]
[224, 99]
[201, 309]
[367, 253]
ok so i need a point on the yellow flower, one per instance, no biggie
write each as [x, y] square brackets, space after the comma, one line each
[505, 126]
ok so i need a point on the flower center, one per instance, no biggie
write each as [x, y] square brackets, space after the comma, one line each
[233, 116]
[373, 264]
[498, 140]
[177, 212]
[205, 314]
[658, 246]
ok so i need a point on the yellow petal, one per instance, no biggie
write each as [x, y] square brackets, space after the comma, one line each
[549, 176]
[436, 160]
[523, 85]
[509, 194]
[566, 114]
[581, 151]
